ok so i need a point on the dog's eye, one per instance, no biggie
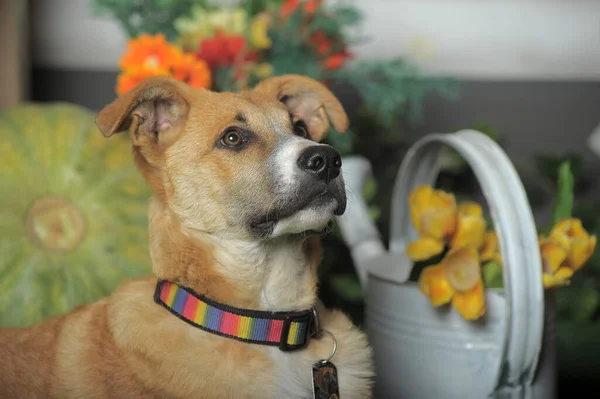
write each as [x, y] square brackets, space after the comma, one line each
[301, 130]
[232, 139]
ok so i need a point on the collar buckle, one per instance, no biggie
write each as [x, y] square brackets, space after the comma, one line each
[302, 318]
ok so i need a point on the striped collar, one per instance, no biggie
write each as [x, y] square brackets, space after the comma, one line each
[287, 330]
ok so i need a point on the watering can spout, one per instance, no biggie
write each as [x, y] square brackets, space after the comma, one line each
[357, 228]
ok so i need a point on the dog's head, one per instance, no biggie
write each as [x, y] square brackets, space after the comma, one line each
[245, 164]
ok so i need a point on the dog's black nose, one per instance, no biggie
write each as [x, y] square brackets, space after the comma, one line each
[321, 160]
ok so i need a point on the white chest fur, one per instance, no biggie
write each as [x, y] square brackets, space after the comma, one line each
[293, 370]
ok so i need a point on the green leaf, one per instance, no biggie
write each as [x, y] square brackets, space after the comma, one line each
[370, 189]
[347, 287]
[563, 205]
[145, 16]
[342, 142]
[492, 275]
[374, 212]
[578, 304]
[486, 129]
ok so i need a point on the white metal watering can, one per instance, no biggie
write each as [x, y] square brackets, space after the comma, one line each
[422, 352]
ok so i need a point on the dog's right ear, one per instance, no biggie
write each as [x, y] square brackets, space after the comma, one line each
[150, 110]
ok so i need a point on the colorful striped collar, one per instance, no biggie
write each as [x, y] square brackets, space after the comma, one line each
[287, 330]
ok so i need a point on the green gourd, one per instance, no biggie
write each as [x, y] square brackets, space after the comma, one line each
[73, 212]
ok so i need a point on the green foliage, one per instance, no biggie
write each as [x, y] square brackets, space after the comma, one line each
[578, 304]
[563, 205]
[343, 142]
[393, 90]
[451, 160]
[369, 194]
[146, 16]
[492, 275]
[338, 21]
[348, 287]
[291, 54]
[158, 16]
[254, 7]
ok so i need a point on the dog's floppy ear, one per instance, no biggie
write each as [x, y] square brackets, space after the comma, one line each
[148, 110]
[309, 100]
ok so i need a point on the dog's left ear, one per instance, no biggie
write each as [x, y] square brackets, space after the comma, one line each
[309, 100]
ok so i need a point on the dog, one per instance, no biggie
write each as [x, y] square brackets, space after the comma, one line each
[242, 191]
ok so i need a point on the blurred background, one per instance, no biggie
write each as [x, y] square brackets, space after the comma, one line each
[525, 72]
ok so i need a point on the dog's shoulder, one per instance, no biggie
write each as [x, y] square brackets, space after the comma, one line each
[132, 312]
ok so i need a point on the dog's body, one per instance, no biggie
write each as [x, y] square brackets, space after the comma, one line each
[236, 199]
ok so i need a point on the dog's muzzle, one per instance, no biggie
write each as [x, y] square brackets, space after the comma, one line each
[310, 189]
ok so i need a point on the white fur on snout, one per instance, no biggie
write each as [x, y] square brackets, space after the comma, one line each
[287, 177]
[286, 162]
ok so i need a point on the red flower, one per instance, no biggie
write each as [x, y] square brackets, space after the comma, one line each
[335, 61]
[288, 8]
[221, 50]
[320, 42]
[310, 7]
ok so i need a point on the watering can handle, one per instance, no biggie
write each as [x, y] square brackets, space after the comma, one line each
[517, 235]
[357, 227]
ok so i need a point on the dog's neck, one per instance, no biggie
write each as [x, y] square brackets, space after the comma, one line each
[278, 274]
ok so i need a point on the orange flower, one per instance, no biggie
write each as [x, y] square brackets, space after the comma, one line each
[128, 80]
[152, 55]
[194, 72]
[150, 52]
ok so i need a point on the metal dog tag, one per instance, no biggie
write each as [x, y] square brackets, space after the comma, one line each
[325, 380]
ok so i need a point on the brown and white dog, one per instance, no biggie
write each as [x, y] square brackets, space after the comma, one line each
[240, 186]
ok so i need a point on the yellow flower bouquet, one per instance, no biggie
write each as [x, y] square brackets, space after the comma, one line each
[462, 252]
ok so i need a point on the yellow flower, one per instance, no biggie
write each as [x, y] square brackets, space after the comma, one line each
[433, 283]
[424, 248]
[490, 251]
[571, 235]
[259, 27]
[462, 268]
[458, 279]
[203, 23]
[433, 214]
[471, 304]
[263, 70]
[470, 227]
[561, 277]
[565, 251]
[232, 21]
[553, 254]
